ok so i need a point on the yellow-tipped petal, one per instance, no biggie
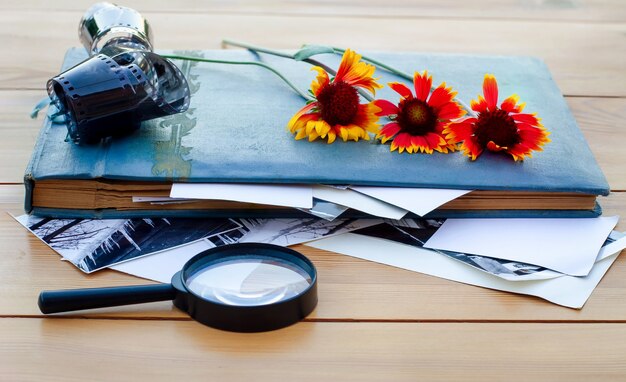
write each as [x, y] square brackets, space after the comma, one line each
[324, 128]
[310, 126]
[313, 136]
[331, 137]
[301, 134]
[318, 127]
[320, 81]
[344, 133]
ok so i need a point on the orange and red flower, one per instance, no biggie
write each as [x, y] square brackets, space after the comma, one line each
[336, 110]
[417, 122]
[503, 128]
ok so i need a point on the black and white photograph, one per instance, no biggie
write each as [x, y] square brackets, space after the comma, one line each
[163, 265]
[413, 232]
[94, 244]
[287, 232]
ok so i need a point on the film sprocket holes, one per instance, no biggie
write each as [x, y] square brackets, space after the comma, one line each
[122, 84]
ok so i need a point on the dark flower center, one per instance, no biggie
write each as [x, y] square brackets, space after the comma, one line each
[496, 126]
[338, 103]
[416, 117]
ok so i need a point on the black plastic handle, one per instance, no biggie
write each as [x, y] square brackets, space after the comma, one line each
[77, 299]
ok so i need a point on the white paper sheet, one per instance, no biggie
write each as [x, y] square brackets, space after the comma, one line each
[296, 196]
[358, 201]
[614, 247]
[568, 246]
[516, 271]
[568, 291]
[420, 201]
[416, 232]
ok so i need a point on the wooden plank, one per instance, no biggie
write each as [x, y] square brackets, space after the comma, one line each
[19, 132]
[586, 58]
[599, 118]
[60, 349]
[11, 197]
[349, 288]
[579, 10]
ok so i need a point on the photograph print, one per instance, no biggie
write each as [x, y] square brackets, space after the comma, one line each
[92, 244]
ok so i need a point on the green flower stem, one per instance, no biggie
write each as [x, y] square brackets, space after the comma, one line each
[227, 42]
[399, 73]
[311, 61]
[278, 53]
[266, 66]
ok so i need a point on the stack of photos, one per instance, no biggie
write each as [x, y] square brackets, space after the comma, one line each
[93, 244]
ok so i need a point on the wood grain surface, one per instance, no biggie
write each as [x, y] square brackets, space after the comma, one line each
[132, 350]
[373, 322]
[551, 10]
[596, 72]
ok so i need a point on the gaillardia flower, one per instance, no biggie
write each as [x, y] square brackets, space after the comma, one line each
[336, 110]
[503, 128]
[417, 122]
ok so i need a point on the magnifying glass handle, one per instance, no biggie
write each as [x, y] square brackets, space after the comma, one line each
[77, 299]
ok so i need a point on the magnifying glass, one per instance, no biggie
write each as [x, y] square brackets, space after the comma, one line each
[249, 287]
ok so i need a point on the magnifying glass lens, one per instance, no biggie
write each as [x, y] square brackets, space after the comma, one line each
[246, 287]
[249, 281]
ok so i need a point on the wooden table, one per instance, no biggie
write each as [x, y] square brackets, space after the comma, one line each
[373, 322]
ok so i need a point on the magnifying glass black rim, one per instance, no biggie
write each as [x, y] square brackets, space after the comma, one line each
[240, 318]
[247, 318]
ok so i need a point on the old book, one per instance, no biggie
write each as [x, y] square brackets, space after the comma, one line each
[234, 132]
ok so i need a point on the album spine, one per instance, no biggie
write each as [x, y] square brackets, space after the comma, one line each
[29, 178]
